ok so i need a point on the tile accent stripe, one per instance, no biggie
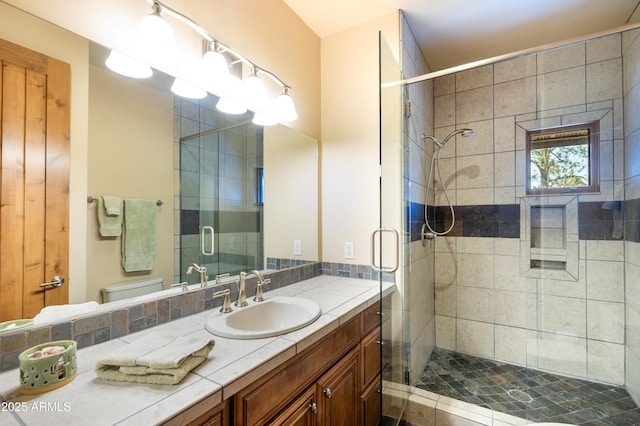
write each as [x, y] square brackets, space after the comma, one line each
[597, 220]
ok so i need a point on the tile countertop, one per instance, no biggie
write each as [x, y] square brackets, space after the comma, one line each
[231, 365]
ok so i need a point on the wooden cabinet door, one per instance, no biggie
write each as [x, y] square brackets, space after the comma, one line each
[371, 400]
[338, 392]
[301, 412]
[34, 180]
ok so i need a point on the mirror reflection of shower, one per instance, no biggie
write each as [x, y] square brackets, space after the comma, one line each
[435, 160]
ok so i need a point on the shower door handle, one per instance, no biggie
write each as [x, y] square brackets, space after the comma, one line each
[203, 251]
[373, 250]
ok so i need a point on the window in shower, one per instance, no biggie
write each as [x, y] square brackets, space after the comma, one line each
[563, 159]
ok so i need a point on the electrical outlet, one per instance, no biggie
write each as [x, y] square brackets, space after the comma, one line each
[349, 250]
[297, 247]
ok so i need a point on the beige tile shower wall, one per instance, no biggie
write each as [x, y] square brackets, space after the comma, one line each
[631, 55]
[483, 306]
[525, 321]
[419, 264]
[566, 85]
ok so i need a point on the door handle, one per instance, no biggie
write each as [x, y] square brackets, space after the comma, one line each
[328, 393]
[373, 250]
[313, 407]
[202, 238]
[56, 281]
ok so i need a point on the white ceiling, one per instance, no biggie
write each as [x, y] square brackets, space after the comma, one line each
[455, 32]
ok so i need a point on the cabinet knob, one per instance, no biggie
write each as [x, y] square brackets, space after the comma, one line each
[313, 407]
[327, 392]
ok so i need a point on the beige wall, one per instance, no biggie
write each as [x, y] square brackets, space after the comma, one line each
[130, 156]
[291, 204]
[350, 141]
[65, 46]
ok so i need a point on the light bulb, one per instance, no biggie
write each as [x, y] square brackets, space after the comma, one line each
[187, 90]
[124, 65]
[263, 120]
[284, 108]
[155, 39]
[254, 93]
[215, 65]
[230, 107]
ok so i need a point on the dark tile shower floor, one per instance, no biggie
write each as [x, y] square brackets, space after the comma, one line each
[523, 392]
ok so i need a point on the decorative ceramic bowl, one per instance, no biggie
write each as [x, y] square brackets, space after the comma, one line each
[47, 366]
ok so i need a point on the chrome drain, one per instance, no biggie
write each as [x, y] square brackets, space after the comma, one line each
[519, 395]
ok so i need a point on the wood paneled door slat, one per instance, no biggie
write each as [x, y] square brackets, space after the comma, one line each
[34, 180]
[11, 205]
[34, 197]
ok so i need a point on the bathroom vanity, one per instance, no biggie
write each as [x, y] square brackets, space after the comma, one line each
[335, 381]
[325, 373]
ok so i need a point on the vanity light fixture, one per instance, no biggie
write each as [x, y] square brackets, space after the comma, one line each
[117, 62]
[156, 45]
[263, 120]
[214, 64]
[254, 92]
[187, 90]
[230, 107]
[284, 108]
[155, 40]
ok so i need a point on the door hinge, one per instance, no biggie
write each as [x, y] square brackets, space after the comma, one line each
[407, 109]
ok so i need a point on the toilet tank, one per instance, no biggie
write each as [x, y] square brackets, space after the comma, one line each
[114, 292]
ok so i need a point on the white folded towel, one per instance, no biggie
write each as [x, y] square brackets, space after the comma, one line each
[56, 312]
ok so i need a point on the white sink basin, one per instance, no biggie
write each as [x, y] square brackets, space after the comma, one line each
[271, 317]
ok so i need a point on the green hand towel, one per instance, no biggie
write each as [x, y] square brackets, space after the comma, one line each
[157, 358]
[138, 235]
[110, 224]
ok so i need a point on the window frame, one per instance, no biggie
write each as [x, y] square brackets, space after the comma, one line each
[593, 145]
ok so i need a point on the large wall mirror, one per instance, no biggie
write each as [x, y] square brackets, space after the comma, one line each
[254, 189]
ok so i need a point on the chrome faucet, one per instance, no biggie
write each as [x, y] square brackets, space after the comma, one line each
[203, 273]
[242, 294]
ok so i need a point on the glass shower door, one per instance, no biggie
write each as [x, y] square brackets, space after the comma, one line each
[386, 242]
[221, 206]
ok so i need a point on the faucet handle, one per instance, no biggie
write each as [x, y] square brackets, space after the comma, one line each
[226, 302]
[259, 297]
[220, 276]
[184, 285]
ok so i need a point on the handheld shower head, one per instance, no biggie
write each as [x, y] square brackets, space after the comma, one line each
[462, 132]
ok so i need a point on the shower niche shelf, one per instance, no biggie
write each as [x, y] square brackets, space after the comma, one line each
[549, 238]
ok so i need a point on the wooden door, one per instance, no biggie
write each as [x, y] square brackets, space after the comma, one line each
[34, 180]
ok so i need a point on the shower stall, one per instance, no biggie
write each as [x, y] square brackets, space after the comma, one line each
[221, 191]
[527, 307]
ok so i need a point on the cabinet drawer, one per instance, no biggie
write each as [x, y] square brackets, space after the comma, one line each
[370, 357]
[258, 402]
[370, 318]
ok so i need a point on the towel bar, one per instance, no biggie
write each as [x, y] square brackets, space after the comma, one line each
[91, 199]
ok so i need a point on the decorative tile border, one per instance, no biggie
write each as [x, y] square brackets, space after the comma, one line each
[597, 220]
[348, 270]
